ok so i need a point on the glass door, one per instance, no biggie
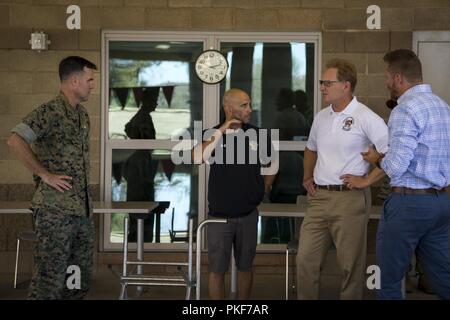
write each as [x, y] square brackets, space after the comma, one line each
[151, 96]
[280, 75]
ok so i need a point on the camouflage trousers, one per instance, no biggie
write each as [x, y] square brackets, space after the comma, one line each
[62, 240]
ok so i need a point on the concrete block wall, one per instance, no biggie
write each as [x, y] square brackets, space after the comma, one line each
[28, 78]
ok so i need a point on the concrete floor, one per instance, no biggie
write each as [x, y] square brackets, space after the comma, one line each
[106, 286]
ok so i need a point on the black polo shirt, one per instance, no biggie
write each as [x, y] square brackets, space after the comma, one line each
[235, 189]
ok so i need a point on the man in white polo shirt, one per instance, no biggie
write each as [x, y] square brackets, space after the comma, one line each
[335, 213]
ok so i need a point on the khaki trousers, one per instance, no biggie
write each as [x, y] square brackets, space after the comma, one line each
[337, 217]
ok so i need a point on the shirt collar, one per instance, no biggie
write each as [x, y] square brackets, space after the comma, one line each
[418, 88]
[71, 112]
[244, 126]
[349, 109]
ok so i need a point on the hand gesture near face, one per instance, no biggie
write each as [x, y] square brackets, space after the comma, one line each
[230, 122]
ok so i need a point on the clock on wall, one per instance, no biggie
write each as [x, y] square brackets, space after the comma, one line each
[211, 66]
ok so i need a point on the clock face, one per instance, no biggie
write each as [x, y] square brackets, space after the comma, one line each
[211, 66]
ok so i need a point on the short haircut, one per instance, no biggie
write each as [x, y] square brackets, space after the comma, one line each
[230, 94]
[346, 71]
[73, 64]
[404, 62]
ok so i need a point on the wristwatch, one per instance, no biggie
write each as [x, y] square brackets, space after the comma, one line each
[378, 163]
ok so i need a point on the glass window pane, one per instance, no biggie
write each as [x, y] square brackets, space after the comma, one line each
[150, 175]
[287, 186]
[280, 80]
[157, 79]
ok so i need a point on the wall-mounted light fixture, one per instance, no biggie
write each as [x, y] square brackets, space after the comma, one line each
[39, 41]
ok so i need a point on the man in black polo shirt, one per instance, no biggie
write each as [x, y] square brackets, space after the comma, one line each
[236, 188]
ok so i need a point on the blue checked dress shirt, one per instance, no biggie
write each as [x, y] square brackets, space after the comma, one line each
[419, 141]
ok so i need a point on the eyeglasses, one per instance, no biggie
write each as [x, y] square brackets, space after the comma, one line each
[327, 83]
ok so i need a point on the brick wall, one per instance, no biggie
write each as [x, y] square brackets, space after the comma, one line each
[28, 78]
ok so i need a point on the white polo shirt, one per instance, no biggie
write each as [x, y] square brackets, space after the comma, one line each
[340, 137]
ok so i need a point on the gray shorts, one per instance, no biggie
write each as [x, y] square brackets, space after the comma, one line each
[238, 232]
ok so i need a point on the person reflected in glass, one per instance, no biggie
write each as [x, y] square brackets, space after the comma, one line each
[285, 189]
[289, 121]
[139, 168]
[301, 105]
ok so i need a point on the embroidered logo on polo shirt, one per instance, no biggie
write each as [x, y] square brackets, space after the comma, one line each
[348, 122]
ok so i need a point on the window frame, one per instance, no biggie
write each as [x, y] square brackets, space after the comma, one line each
[210, 116]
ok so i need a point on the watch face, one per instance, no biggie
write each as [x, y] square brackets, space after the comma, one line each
[211, 66]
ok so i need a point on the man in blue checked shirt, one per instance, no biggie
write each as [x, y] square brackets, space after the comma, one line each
[417, 212]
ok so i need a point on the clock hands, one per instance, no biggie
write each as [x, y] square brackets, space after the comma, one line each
[215, 66]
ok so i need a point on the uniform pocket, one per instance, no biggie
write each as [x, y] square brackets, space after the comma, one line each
[55, 200]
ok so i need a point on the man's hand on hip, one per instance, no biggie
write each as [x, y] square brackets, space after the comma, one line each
[355, 182]
[59, 182]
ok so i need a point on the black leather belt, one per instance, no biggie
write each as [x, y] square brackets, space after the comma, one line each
[334, 187]
[405, 190]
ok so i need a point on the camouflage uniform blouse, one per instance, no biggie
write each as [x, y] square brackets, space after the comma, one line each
[59, 135]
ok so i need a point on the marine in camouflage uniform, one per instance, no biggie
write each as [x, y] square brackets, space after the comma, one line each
[65, 231]
[58, 133]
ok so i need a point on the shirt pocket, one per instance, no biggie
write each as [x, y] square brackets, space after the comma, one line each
[71, 140]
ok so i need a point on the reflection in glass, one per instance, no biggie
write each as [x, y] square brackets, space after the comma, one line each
[166, 68]
[288, 185]
[158, 179]
[279, 77]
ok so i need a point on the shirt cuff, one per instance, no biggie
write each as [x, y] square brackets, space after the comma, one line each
[25, 132]
[311, 146]
[384, 167]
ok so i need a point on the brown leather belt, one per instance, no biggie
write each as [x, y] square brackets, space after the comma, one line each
[336, 187]
[405, 190]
